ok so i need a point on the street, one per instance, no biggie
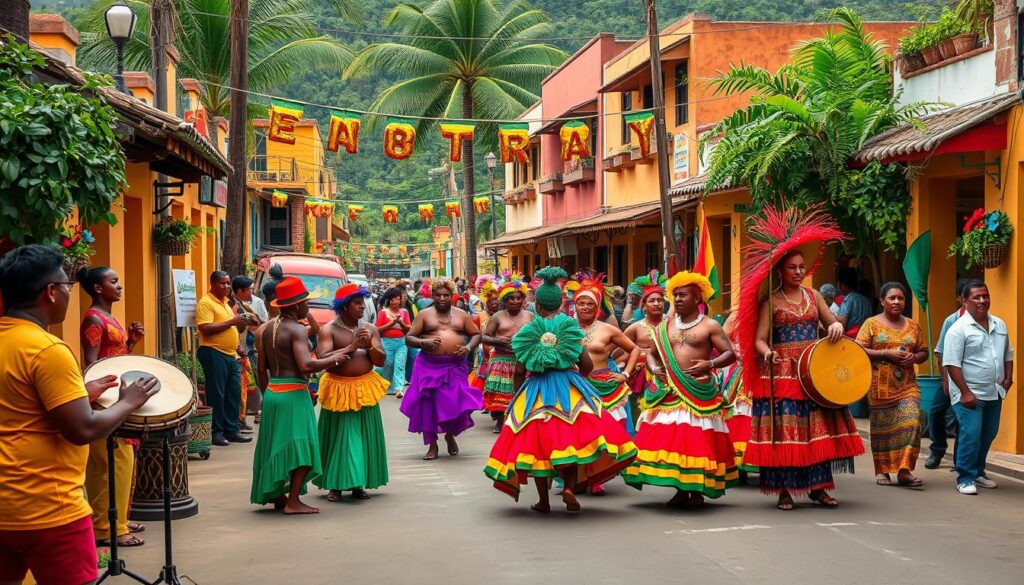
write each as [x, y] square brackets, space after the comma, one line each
[442, 522]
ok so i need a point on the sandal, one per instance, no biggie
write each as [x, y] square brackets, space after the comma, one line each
[824, 500]
[909, 481]
[135, 527]
[785, 502]
[883, 479]
[130, 540]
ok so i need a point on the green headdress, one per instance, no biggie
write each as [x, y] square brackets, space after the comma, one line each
[549, 294]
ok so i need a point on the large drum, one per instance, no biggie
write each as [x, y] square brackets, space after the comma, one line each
[168, 409]
[835, 375]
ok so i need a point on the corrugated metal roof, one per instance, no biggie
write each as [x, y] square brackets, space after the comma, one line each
[910, 139]
[694, 187]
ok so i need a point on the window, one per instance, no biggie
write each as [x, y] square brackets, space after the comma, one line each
[534, 161]
[526, 264]
[536, 262]
[601, 259]
[627, 105]
[620, 265]
[682, 94]
[278, 230]
[515, 263]
[652, 259]
[648, 97]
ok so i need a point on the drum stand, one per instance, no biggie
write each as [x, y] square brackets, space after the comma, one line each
[116, 565]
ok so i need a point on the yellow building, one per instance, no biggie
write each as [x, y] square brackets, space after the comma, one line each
[156, 144]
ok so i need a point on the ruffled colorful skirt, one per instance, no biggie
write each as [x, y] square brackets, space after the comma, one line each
[549, 438]
[683, 450]
[439, 398]
[500, 386]
[351, 432]
[737, 413]
[614, 396]
[287, 440]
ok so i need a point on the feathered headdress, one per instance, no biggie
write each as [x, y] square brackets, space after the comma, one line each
[591, 284]
[773, 234]
[488, 286]
[651, 282]
[513, 286]
[686, 278]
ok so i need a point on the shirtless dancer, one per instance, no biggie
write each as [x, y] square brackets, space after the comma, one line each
[351, 431]
[684, 424]
[287, 451]
[503, 375]
[439, 398]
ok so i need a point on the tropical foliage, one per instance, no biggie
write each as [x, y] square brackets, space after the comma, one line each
[58, 151]
[471, 59]
[981, 230]
[795, 140]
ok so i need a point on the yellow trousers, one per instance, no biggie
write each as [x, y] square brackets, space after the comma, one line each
[96, 485]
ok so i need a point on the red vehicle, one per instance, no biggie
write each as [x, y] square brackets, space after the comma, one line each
[322, 275]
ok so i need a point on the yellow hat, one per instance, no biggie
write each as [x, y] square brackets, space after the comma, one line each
[687, 278]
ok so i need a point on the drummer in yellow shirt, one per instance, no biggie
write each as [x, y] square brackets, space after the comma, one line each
[46, 423]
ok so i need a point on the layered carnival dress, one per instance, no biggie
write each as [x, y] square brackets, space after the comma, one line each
[500, 384]
[681, 434]
[287, 440]
[810, 442]
[738, 410]
[614, 394]
[351, 432]
[556, 421]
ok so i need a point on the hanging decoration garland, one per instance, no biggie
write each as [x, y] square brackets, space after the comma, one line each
[344, 131]
[390, 213]
[513, 140]
[481, 204]
[399, 139]
[284, 115]
[642, 125]
[453, 209]
[278, 199]
[317, 208]
[354, 211]
[426, 212]
[575, 137]
[456, 133]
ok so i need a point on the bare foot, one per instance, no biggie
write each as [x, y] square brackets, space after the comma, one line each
[680, 500]
[291, 509]
[540, 507]
[570, 501]
[453, 447]
[597, 490]
[431, 453]
[334, 496]
[280, 502]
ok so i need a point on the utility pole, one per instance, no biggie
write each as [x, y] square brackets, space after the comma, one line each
[234, 236]
[161, 32]
[661, 135]
[469, 187]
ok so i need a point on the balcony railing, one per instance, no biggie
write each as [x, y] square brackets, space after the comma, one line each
[283, 169]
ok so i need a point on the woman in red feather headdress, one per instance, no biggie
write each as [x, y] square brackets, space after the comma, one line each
[796, 444]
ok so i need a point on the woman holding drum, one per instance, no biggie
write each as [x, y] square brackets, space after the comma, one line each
[796, 443]
[895, 345]
[103, 336]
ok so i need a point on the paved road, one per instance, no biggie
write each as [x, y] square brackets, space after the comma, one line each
[441, 522]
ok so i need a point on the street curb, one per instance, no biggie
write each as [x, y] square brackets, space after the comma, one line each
[994, 467]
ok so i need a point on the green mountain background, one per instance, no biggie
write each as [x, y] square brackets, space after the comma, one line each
[376, 179]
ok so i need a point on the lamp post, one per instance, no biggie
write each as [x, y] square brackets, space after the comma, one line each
[492, 161]
[120, 19]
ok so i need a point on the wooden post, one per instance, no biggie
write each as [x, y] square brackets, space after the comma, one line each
[234, 237]
[661, 135]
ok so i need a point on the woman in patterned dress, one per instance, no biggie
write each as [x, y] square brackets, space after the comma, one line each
[102, 336]
[895, 345]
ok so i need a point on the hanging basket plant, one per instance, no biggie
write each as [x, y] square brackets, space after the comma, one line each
[174, 237]
[985, 239]
[76, 245]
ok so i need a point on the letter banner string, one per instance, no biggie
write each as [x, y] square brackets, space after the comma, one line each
[284, 115]
[642, 126]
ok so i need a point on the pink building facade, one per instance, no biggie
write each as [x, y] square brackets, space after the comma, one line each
[572, 191]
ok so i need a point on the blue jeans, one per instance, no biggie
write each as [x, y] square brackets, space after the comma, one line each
[978, 428]
[396, 354]
[937, 426]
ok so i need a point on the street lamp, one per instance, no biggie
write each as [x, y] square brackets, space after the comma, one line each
[120, 19]
[492, 161]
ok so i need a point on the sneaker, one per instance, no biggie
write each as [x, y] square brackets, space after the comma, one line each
[967, 489]
[933, 461]
[984, 482]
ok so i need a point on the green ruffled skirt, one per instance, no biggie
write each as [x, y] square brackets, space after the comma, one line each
[286, 442]
[352, 449]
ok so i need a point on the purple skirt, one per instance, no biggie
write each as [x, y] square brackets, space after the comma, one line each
[439, 398]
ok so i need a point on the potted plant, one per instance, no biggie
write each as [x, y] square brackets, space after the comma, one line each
[985, 239]
[930, 44]
[948, 27]
[76, 245]
[977, 17]
[174, 237]
[909, 58]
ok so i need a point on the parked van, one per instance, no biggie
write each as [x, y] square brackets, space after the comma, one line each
[322, 275]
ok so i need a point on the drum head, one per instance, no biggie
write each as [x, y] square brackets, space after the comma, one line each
[840, 372]
[175, 393]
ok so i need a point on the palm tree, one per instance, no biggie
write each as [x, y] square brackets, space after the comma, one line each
[283, 44]
[469, 59]
[795, 141]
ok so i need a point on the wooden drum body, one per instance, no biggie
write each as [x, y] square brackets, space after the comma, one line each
[170, 408]
[835, 375]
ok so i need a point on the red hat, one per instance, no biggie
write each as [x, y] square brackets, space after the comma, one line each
[346, 291]
[290, 291]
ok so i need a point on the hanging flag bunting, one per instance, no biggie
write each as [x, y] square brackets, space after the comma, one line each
[317, 208]
[453, 209]
[278, 199]
[455, 133]
[514, 139]
[344, 131]
[481, 204]
[399, 139]
[354, 211]
[390, 213]
[403, 250]
[284, 116]
[426, 212]
[642, 125]
[371, 249]
[356, 247]
[575, 137]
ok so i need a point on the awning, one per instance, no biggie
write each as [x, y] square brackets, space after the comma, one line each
[694, 187]
[643, 69]
[966, 128]
[581, 109]
[526, 236]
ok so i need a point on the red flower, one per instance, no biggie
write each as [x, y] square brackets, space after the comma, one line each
[66, 242]
[974, 220]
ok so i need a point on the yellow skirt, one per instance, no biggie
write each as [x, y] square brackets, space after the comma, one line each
[340, 394]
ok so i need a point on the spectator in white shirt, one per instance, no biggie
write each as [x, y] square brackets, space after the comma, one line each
[979, 360]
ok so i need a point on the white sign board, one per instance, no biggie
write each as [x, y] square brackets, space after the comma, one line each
[184, 297]
[680, 158]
